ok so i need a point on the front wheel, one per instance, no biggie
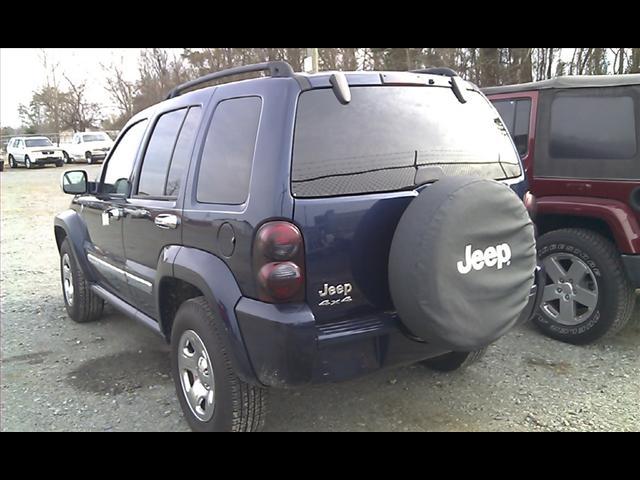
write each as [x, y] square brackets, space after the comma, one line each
[59, 163]
[88, 157]
[587, 294]
[27, 162]
[82, 304]
[67, 158]
[454, 360]
[12, 162]
[212, 397]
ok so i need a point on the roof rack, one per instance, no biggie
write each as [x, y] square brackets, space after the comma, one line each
[444, 71]
[276, 69]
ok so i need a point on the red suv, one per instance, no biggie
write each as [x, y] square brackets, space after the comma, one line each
[579, 139]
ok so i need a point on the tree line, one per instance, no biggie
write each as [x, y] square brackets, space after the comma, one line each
[61, 104]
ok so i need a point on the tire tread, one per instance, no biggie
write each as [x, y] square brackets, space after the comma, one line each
[249, 402]
[87, 305]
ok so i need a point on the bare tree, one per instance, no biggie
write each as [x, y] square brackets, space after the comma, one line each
[51, 96]
[121, 91]
[489, 67]
[79, 113]
[158, 73]
[634, 64]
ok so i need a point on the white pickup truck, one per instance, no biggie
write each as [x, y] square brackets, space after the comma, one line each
[89, 146]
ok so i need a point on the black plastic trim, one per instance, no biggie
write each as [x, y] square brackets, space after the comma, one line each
[127, 309]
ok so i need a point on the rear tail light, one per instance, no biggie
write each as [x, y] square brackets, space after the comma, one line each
[530, 203]
[278, 262]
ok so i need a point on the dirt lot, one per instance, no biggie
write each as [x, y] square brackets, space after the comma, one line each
[114, 374]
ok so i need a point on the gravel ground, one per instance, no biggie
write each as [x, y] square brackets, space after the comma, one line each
[113, 375]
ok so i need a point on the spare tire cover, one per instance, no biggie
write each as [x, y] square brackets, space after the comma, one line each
[462, 262]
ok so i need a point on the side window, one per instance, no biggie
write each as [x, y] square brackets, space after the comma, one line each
[515, 114]
[120, 164]
[182, 151]
[158, 155]
[507, 110]
[227, 158]
[592, 127]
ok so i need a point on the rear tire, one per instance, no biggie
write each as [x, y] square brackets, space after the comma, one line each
[67, 158]
[82, 304]
[607, 280]
[454, 360]
[27, 162]
[212, 397]
[59, 163]
[88, 157]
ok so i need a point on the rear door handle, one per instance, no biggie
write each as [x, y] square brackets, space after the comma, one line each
[166, 220]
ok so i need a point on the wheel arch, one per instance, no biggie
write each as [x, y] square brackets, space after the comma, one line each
[612, 219]
[551, 222]
[184, 273]
[69, 224]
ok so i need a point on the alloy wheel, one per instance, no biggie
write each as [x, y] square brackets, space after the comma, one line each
[67, 279]
[196, 375]
[571, 293]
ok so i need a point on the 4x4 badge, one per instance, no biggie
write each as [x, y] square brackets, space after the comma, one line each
[330, 290]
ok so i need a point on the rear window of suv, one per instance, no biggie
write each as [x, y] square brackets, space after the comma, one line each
[386, 135]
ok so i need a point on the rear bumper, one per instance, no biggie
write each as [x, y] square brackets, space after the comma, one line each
[632, 267]
[287, 348]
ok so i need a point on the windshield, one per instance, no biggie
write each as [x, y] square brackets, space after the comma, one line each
[38, 142]
[387, 137]
[95, 137]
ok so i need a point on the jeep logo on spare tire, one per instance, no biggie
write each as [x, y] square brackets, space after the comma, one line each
[499, 255]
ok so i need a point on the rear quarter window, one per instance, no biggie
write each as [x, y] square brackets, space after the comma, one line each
[588, 133]
[593, 127]
[227, 157]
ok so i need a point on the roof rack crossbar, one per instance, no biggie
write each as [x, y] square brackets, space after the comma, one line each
[276, 69]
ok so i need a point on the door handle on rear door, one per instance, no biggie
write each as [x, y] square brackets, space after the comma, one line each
[166, 220]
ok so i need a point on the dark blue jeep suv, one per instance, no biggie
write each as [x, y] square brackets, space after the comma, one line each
[294, 229]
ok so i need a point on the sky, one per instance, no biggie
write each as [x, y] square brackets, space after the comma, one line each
[22, 72]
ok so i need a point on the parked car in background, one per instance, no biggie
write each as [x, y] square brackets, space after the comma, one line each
[579, 139]
[90, 147]
[33, 151]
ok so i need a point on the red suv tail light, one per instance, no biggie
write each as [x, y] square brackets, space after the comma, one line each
[278, 262]
[530, 203]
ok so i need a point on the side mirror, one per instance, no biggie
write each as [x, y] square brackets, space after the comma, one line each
[74, 182]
